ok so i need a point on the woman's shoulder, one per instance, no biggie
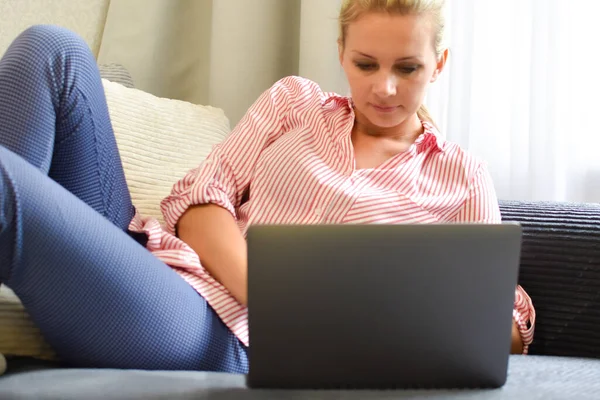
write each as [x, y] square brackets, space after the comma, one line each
[298, 83]
[455, 154]
[302, 89]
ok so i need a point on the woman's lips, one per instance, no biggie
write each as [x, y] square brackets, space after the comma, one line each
[384, 109]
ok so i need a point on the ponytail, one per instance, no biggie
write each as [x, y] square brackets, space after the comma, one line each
[424, 115]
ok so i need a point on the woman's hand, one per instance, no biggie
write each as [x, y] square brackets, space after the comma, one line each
[516, 342]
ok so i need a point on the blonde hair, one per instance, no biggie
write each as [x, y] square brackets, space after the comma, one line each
[352, 10]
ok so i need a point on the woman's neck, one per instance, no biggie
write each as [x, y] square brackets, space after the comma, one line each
[407, 131]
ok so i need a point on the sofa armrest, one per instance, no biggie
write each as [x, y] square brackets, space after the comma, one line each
[560, 270]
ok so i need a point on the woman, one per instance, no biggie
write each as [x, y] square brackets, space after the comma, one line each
[67, 225]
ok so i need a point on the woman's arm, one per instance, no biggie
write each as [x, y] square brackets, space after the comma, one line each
[213, 234]
[516, 346]
[202, 207]
[482, 206]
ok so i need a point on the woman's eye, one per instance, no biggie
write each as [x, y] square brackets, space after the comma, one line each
[408, 70]
[366, 66]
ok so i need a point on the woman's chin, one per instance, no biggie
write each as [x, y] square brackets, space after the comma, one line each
[386, 120]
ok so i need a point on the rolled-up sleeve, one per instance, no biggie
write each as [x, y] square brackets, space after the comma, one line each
[524, 316]
[482, 206]
[225, 174]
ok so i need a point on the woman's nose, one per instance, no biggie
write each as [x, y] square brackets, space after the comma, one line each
[385, 86]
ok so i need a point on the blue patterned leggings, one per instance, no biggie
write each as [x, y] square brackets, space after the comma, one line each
[98, 296]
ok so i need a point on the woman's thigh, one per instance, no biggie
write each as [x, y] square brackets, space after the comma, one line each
[99, 298]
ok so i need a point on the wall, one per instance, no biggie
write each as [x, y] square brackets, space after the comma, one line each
[86, 17]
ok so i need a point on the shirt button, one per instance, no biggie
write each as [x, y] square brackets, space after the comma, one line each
[317, 212]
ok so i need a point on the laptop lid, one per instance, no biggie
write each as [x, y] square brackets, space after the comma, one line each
[381, 306]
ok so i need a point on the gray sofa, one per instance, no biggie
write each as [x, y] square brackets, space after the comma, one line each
[560, 269]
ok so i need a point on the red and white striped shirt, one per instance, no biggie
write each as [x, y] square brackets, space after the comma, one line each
[291, 160]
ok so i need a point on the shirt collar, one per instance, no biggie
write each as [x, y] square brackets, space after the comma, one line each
[430, 134]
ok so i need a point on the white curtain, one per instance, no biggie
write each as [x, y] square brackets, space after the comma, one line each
[222, 52]
[520, 90]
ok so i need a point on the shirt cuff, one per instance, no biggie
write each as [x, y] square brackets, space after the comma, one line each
[174, 206]
[524, 316]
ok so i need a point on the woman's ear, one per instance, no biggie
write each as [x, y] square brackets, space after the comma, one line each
[440, 65]
[340, 51]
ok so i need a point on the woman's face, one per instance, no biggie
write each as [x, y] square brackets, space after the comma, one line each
[389, 61]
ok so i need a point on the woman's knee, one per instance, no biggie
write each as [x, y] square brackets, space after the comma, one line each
[40, 47]
[51, 39]
[47, 56]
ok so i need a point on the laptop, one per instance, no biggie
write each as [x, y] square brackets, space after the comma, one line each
[381, 306]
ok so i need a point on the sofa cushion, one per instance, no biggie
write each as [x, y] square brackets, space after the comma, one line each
[116, 73]
[529, 377]
[560, 270]
[18, 334]
[160, 140]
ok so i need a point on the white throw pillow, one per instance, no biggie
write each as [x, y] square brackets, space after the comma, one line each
[18, 334]
[160, 140]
